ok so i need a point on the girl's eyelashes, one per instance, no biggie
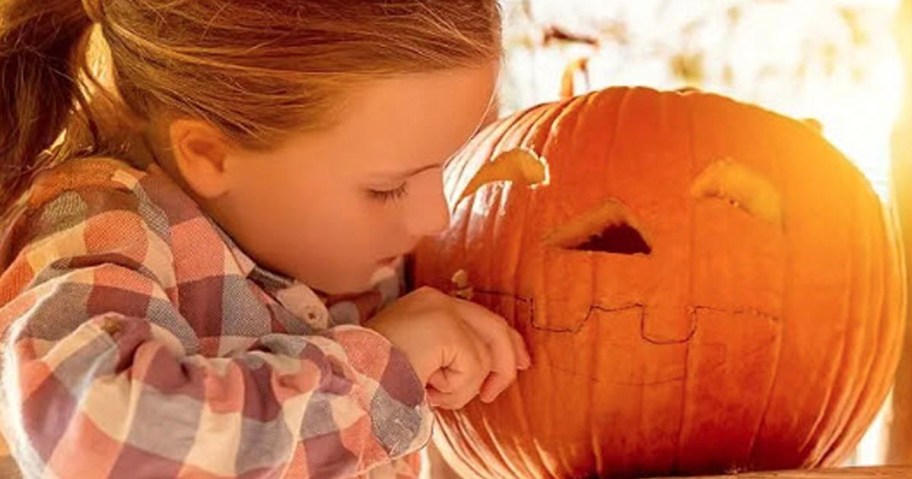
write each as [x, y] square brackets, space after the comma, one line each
[386, 196]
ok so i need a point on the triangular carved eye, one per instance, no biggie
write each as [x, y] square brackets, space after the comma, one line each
[608, 228]
[616, 238]
[519, 165]
[741, 187]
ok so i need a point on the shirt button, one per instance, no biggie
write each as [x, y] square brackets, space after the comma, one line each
[314, 317]
[111, 326]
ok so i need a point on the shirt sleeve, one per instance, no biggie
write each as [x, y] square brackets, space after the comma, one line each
[95, 383]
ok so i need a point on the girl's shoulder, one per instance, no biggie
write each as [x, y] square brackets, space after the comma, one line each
[109, 183]
[103, 209]
[96, 194]
[98, 173]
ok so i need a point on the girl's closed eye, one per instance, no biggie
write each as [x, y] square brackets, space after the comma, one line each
[389, 195]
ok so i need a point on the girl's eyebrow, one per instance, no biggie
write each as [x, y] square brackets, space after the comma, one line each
[401, 175]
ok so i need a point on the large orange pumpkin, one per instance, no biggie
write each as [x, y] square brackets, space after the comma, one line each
[705, 286]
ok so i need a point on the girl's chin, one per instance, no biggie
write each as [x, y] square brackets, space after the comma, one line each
[365, 281]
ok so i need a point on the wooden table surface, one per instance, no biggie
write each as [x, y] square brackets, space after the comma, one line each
[848, 473]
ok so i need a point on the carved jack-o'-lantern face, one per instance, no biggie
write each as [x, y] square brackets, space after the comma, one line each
[703, 285]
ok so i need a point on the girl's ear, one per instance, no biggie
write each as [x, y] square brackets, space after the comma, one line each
[200, 153]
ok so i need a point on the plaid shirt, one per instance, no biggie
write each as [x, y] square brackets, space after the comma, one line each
[140, 341]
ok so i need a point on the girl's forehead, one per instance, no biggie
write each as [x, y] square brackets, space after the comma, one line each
[416, 118]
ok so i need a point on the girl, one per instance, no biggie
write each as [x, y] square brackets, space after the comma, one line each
[178, 234]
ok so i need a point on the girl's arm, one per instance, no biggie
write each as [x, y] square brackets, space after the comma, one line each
[100, 379]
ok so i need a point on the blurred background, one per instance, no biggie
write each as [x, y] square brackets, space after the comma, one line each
[839, 62]
[833, 60]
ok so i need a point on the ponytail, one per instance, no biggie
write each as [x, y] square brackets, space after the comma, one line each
[42, 54]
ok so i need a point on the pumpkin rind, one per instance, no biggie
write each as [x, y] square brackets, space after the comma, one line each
[758, 328]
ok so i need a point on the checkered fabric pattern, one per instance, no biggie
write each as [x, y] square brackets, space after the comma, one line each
[140, 341]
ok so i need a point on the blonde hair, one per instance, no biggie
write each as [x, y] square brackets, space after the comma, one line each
[255, 70]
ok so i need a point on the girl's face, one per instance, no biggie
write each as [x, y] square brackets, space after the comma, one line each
[337, 209]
